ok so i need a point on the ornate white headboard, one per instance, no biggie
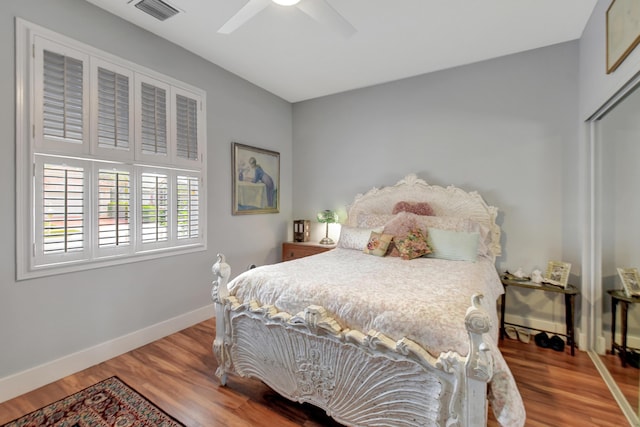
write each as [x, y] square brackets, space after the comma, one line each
[450, 201]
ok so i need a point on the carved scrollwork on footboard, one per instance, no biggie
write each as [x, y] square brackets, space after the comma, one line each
[358, 378]
[479, 361]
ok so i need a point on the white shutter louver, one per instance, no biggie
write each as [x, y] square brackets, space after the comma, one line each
[63, 209]
[114, 221]
[154, 119]
[186, 127]
[113, 109]
[62, 97]
[155, 188]
[188, 196]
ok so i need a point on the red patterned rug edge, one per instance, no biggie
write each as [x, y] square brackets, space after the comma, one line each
[14, 423]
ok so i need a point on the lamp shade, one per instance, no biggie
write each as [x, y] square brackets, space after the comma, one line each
[328, 216]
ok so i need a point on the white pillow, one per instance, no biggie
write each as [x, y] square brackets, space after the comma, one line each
[355, 237]
[453, 245]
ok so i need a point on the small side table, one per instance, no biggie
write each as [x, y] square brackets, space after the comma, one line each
[619, 297]
[569, 292]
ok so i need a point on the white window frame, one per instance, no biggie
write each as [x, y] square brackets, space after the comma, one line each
[105, 252]
[39, 257]
[158, 159]
[120, 154]
[175, 159]
[32, 150]
[200, 237]
[141, 246]
[57, 145]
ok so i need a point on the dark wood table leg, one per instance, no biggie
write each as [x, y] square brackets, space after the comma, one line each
[502, 308]
[614, 306]
[624, 308]
[569, 306]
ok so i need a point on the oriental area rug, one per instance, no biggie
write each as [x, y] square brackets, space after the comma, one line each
[107, 403]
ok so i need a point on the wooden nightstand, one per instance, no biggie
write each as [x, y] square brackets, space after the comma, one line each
[295, 250]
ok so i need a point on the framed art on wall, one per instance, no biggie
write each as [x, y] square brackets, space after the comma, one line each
[623, 31]
[256, 180]
[630, 281]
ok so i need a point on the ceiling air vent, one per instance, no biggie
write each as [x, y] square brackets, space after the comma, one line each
[157, 8]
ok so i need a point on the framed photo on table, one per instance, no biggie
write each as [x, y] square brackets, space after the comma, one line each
[256, 180]
[623, 31]
[630, 281]
[557, 273]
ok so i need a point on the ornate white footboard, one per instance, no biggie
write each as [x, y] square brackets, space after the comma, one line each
[361, 379]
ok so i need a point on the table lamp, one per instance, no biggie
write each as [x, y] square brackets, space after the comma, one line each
[328, 217]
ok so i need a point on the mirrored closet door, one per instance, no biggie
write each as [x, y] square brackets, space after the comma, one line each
[617, 213]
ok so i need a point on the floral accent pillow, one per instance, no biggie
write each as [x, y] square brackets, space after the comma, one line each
[418, 208]
[413, 245]
[399, 227]
[378, 244]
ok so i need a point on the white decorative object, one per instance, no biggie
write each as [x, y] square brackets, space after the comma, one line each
[536, 276]
[519, 273]
[363, 378]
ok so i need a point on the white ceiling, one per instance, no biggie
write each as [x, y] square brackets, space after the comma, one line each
[289, 54]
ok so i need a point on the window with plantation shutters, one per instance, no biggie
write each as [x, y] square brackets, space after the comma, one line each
[153, 120]
[188, 203]
[113, 109]
[63, 88]
[62, 220]
[109, 158]
[186, 127]
[154, 207]
[114, 208]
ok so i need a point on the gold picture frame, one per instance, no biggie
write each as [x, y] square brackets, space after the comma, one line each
[557, 273]
[256, 180]
[623, 31]
[630, 281]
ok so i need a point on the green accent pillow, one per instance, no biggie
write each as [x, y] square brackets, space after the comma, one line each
[453, 245]
[378, 244]
[413, 245]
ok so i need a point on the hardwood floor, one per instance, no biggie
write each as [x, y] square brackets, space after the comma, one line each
[177, 374]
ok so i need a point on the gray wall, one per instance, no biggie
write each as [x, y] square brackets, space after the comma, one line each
[506, 127]
[44, 319]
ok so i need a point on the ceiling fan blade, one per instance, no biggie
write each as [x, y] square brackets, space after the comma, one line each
[325, 14]
[248, 11]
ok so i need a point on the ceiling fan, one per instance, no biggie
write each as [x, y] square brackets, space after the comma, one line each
[320, 10]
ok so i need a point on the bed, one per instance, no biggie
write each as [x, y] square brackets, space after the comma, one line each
[408, 340]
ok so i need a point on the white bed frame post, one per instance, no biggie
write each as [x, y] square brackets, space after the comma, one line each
[219, 294]
[479, 364]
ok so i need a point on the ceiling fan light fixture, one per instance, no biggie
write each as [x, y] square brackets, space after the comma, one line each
[286, 2]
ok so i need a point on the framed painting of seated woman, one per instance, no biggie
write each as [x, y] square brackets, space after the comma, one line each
[256, 180]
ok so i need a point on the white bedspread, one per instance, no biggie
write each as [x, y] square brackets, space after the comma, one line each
[423, 299]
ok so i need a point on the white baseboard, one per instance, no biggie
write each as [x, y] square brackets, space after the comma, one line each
[30, 379]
